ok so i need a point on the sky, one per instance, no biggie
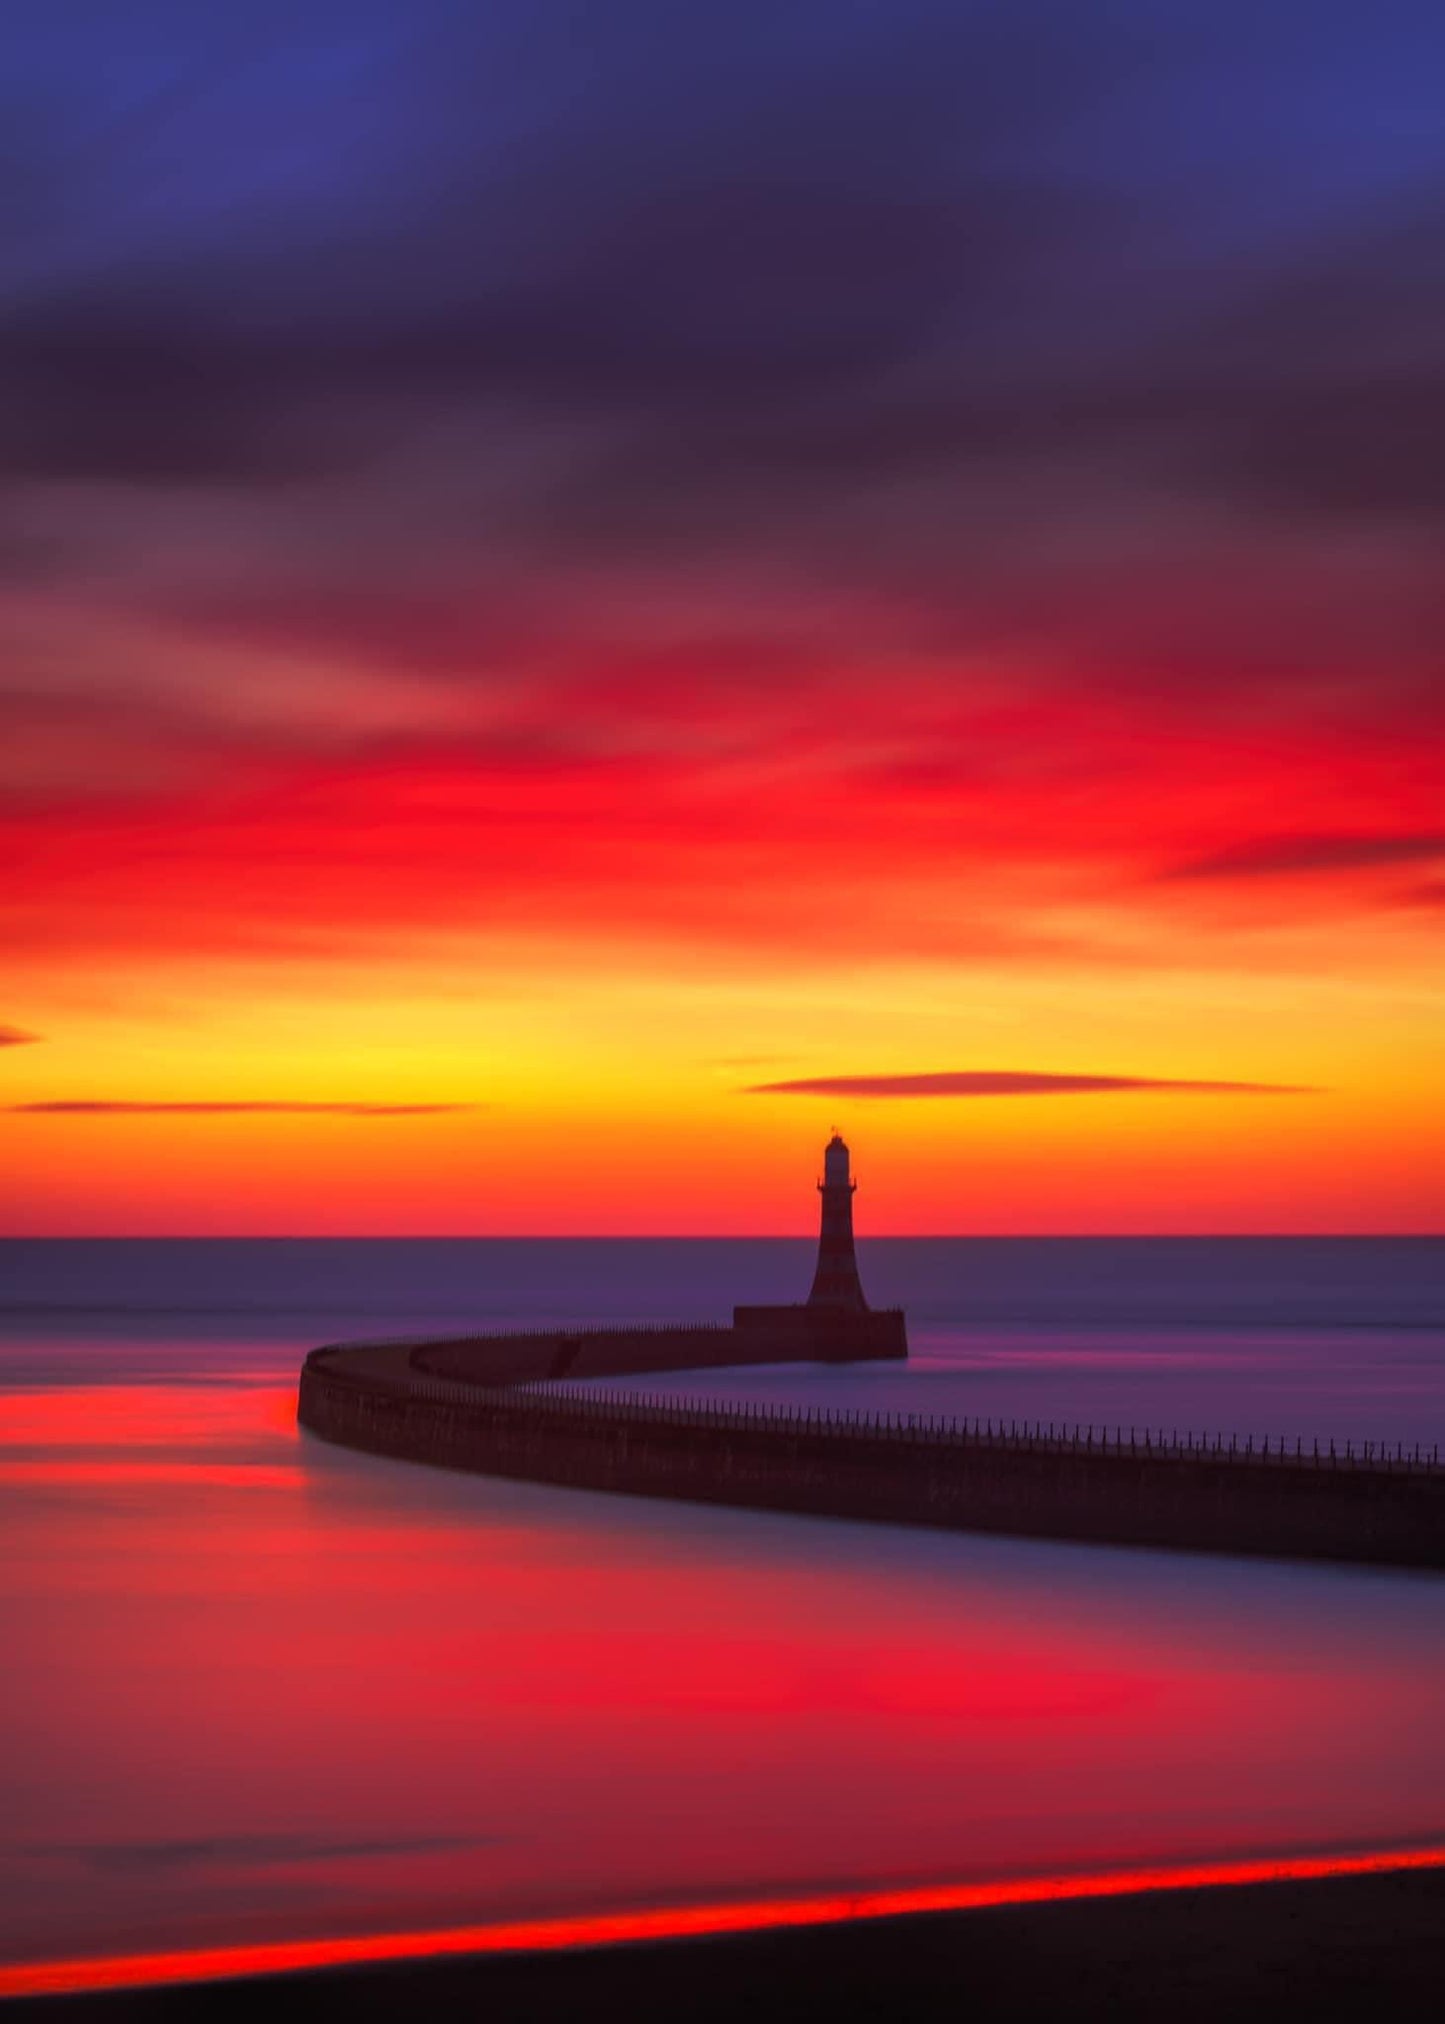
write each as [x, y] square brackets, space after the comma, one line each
[591, 592]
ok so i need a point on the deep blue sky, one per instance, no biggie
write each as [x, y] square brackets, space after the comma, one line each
[262, 243]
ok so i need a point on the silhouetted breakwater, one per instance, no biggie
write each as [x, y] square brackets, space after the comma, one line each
[482, 1403]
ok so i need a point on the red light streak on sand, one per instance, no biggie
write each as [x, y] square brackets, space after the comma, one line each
[698, 1921]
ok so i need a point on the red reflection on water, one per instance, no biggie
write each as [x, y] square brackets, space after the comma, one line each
[677, 1922]
[126, 1416]
[381, 1696]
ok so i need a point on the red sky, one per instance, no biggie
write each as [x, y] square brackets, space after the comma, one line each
[589, 947]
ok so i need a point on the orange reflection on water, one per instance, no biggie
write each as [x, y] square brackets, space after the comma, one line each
[678, 1922]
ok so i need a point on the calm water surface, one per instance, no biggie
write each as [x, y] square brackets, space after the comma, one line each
[255, 1687]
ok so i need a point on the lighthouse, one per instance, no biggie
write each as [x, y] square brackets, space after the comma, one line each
[835, 1283]
[835, 1324]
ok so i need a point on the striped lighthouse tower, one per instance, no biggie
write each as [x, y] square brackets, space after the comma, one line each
[836, 1283]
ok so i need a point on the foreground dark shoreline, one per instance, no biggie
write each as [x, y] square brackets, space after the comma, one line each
[1373, 1944]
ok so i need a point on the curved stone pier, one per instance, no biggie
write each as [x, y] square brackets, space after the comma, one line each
[491, 1404]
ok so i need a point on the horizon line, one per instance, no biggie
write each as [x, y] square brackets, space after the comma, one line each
[713, 1236]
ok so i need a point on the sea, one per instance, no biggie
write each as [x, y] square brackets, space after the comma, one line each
[256, 1688]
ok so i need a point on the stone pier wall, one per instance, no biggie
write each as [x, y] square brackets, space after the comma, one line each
[1060, 1485]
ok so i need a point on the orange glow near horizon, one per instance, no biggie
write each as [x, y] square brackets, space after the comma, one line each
[454, 989]
[698, 1921]
[664, 1147]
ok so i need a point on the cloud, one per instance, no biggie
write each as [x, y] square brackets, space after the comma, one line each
[812, 287]
[722, 411]
[105, 1107]
[16, 1036]
[1286, 856]
[1012, 1082]
[591, 276]
[1325, 391]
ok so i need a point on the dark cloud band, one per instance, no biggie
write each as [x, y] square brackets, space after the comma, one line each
[1014, 1082]
[104, 1107]
[1288, 856]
